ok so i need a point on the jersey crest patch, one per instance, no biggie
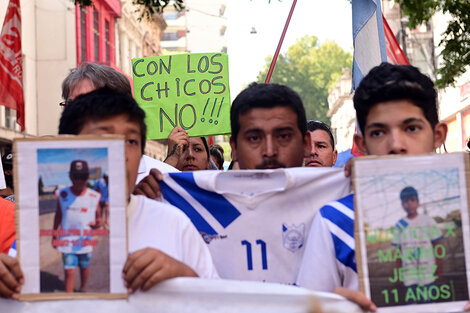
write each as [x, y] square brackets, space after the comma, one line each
[293, 236]
[208, 238]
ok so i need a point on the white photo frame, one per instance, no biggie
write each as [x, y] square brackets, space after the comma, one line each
[44, 169]
[412, 231]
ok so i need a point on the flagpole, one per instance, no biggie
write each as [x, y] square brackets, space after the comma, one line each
[273, 62]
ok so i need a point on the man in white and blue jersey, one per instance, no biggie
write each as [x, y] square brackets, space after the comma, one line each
[255, 222]
[396, 109]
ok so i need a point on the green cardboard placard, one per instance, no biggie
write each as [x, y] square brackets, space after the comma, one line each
[186, 90]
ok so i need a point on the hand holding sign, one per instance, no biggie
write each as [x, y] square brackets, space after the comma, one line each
[177, 141]
[190, 91]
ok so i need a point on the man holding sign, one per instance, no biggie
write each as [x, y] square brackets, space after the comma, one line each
[396, 108]
[255, 222]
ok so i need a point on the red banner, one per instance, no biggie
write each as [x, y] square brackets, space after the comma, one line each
[394, 53]
[11, 65]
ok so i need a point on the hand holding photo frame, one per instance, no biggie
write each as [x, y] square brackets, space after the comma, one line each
[412, 231]
[71, 216]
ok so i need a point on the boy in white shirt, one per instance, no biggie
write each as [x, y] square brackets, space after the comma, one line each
[396, 109]
[162, 240]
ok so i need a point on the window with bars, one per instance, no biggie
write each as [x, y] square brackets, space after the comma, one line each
[107, 39]
[82, 35]
[95, 32]
[10, 118]
[96, 35]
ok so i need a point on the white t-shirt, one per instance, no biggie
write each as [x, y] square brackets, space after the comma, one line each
[161, 226]
[415, 238]
[77, 213]
[255, 222]
[147, 163]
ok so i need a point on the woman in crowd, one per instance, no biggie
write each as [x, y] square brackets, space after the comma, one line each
[187, 154]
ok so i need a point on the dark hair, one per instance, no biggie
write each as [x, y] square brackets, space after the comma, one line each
[99, 75]
[98, 105]
[315, 125]
[7, 160]
[218, 153]
[7, 163]
[388, 82]
[407, 193]
[206, 146]
[266, 96]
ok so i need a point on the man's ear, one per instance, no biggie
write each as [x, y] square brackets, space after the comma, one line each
[335, 156]
[440, 134]
[307, 144]
[233, 145]
[360, 143]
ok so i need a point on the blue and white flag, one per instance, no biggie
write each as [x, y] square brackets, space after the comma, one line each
[255, 222]
[368, 37]
[343, 158]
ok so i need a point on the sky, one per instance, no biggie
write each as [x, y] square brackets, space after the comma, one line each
[326, 19]
[54, 164]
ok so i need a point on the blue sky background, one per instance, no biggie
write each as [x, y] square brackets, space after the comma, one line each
[54, 164]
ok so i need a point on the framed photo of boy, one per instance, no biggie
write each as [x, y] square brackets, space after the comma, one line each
[71, 216]
[412, 226]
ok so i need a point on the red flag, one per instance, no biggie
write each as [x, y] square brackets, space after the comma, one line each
[11, 65]
[394, 53]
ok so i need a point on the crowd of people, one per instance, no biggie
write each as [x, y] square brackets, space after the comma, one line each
[397, 113]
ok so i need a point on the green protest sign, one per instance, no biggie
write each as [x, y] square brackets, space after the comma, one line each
[186, 90]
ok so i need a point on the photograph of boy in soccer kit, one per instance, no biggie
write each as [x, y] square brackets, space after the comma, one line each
[417, 233]
[78, 210]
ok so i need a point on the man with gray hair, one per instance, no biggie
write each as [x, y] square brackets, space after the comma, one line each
[323, 152]
[91, 76]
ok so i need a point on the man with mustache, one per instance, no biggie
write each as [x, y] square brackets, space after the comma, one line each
[323, 152]
[269, 128]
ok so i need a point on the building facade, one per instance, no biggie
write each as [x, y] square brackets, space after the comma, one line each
[57, 36]
[341, 112]
[421, 48]
[199, 28]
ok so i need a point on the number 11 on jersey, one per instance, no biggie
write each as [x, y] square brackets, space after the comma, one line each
[249, 255]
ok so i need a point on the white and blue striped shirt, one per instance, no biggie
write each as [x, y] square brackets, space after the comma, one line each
[255, 222]
[328, 260]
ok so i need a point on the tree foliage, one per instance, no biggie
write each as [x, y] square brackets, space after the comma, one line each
[456, 38]
[149, 7]
[310, 69]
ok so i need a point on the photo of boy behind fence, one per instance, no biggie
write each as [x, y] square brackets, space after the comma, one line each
[421, 258]
[417, 236]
